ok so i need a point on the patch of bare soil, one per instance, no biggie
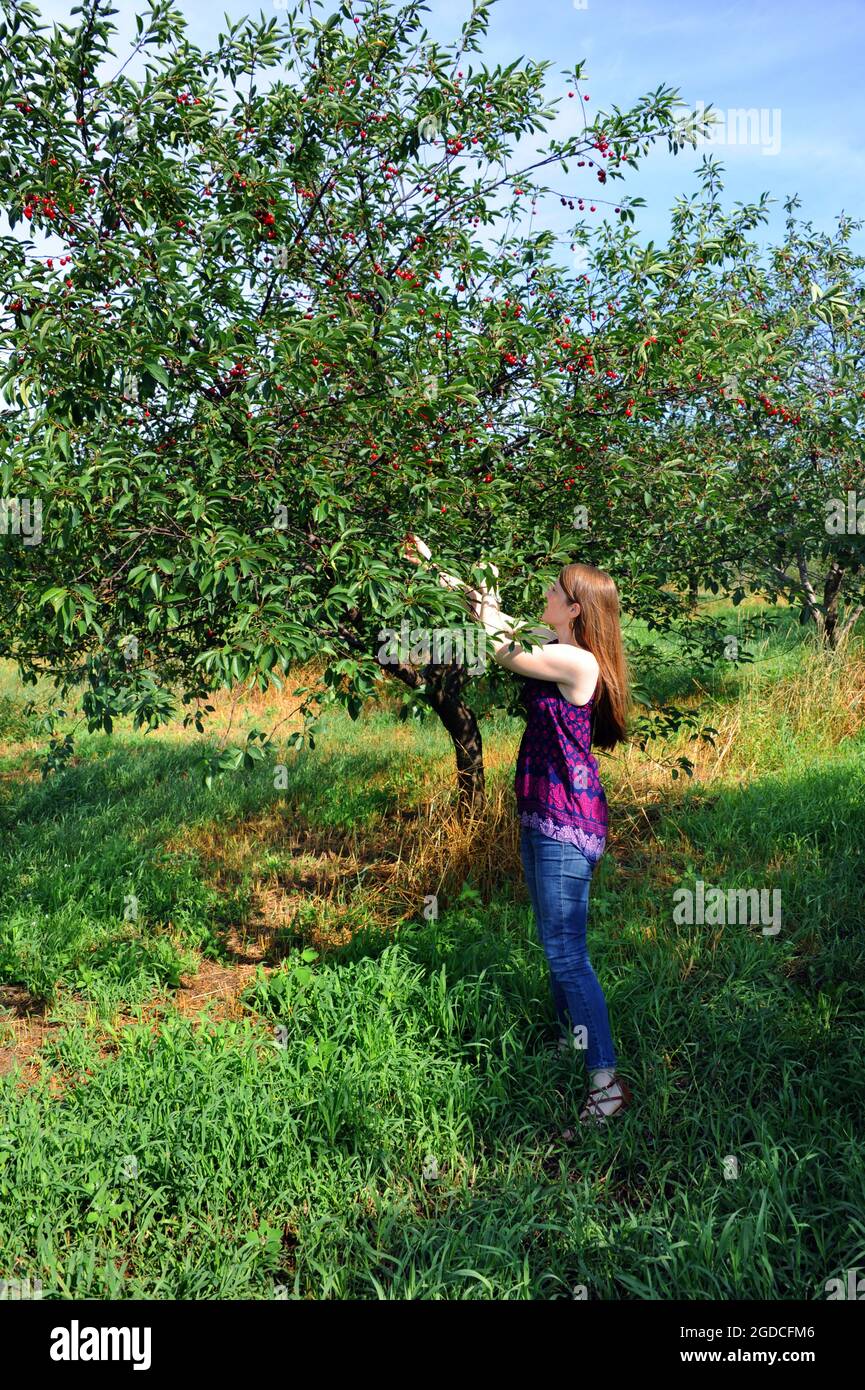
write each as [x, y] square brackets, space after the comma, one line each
[24, 1028]
[216, 988]
[303, 885]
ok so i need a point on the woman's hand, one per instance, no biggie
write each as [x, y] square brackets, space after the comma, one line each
[489, 594]
[475, 604]
[415, 550]
[480, 602]
[418, 553]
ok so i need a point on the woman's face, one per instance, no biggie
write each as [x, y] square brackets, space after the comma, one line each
[559, 611]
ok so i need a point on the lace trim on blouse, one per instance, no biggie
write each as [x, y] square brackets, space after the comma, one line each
[591, 845]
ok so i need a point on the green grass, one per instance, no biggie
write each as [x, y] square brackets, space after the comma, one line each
[381, 1121]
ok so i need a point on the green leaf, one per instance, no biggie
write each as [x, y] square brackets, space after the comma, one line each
[158, 372]
[56, 597]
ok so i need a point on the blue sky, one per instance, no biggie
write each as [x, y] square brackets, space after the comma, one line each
[797, 63]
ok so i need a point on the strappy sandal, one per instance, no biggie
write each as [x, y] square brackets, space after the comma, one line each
[592, 1109]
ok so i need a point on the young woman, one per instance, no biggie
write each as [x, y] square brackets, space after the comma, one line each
[575, 692]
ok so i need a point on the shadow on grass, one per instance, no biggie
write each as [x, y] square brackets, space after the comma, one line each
[85, 837]
[103, 885]
[138, 785]
[738, 1045]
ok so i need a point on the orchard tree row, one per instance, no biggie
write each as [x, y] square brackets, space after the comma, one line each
[272, 306]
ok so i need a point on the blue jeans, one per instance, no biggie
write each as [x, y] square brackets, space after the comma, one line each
[558, 877]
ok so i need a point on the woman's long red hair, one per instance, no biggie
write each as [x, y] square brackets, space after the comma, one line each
[597, 628]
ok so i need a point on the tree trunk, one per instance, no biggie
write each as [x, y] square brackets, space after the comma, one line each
[810, 596]
[444, 694]
[445, 684]
[850, 620]
[831, 594]
[826, 615]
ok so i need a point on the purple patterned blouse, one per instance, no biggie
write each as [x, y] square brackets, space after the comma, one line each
[557, 786]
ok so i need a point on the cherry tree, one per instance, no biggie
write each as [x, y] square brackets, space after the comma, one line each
[291, 306]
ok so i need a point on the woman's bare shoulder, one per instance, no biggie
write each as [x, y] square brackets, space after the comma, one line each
[580, 658]
[579, 685]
